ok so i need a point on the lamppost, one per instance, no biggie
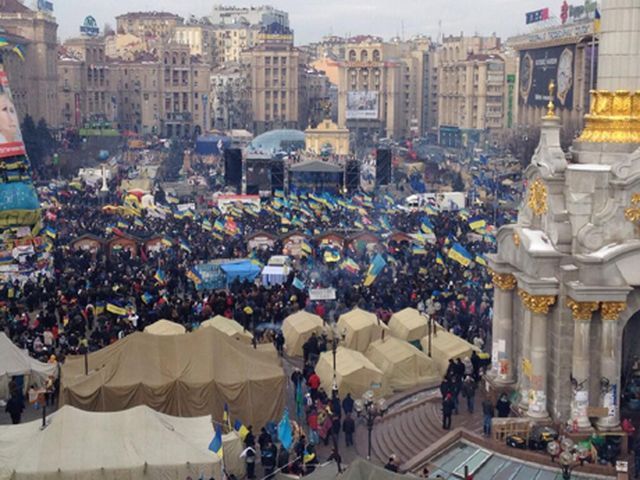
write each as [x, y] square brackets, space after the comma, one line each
[431, 309]
[369, 409]
[563, 452]
[336, 337]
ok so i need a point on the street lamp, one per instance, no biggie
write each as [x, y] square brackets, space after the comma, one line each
[336, 337]
[431, 308]
[566, 458]
[369, 409]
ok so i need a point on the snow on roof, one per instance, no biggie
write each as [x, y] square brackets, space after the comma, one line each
[589, 167]
[538, 241]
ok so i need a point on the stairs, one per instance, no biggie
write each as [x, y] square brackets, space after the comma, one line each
[409, 430]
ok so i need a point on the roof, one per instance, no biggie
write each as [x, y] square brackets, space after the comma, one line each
[277, 139]
[317, 166]
[151, 14]
[13, 6]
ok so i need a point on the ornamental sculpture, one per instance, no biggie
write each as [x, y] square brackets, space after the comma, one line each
[633, 212]
[504, 281]
[537, 201]
[614, 117]
[612, 310]
[582, 310]
[537, 303]
[516, 239]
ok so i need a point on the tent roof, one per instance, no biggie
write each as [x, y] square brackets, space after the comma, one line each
[76, 444]
[408, 324]
[316, 166]
[14, 361]
[302, 321]
[242, 267]
[228, 326]
[165, 327]
[358, 318]
[445, 345]
[185, 375]
[355, 373]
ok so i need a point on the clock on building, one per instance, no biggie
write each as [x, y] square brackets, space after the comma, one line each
[565, 75]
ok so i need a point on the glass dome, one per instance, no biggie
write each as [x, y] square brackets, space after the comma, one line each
[278, 140]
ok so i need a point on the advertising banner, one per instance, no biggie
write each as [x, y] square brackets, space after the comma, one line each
[11, 143]
[362, 105]
[538, 68]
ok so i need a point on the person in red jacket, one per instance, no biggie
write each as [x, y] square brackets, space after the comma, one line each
[313, 382]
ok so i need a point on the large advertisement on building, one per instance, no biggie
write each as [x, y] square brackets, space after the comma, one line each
[362, 105]
[541, 66]
[11, 143]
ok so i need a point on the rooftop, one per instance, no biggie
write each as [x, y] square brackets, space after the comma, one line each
[13, 6]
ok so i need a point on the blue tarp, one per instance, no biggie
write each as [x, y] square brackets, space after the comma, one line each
[243, 270]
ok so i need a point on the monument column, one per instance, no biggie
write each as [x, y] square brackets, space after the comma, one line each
[538, 305]
[581, 362]
[609, 371]
[502, 333]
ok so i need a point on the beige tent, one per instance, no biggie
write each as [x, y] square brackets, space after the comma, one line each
[360, 328]
[297, 328]
[138, 443]
[403, 365]
[230, 328]
[185, 375]
[16, 362]
[165, 327]
[232, 447]
[444, 346]
[408, 325]
[355, 374]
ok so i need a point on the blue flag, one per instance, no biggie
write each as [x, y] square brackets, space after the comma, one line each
[216, 444]
[297, 283]
[285, 434]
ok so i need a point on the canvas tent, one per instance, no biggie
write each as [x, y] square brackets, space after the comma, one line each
[232, 447]
[297, 328]
[16, 362]
[230, 328]
[408, 325]
[444, 346]
[186, 375]
[403, 365]
[165, 327]
[138, 443]
[360, 328]
[355, 374]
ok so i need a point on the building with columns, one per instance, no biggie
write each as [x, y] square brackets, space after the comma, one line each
[566, 276]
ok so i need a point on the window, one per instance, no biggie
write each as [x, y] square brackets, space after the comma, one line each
[364, 56]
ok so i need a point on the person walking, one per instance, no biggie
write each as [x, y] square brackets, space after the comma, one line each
[447, 411]
[487, 415]
[348, 427]
[469, 392]
[249, 455]
[503, 406]
[15, 407]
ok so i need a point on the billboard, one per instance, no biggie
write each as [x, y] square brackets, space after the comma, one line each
[539, 67]
[362, 105]
[11, 143]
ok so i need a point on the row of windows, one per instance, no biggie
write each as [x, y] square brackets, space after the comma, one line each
[364, 56]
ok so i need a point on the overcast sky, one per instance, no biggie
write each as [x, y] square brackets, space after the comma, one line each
[311, 19]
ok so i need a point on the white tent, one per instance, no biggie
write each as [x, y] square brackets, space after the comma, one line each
[408, 325]
[15, 362]
[138, 443]
[360, 329]
[446, 346]
[229, 327]
[165, 327]
[297, 328]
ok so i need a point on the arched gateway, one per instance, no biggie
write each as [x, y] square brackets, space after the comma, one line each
[567, 274]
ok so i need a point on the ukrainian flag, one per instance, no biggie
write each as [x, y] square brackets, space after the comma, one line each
[331, 256]
[50, 232]
[166, 241]
[460, 254]
[219, 225]
[480, 260]
[306, 247]
[185, 246]
[194, 276]
[239, 427]
[225, 415]
[430, 210]
[377, 265]
[439, 259]
[418, 250]
[115, 309]
[160, 276]
[206, 225]
[216, 443]
[427, 227]
[477, 223]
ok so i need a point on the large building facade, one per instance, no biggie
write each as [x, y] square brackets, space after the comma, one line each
[33, 81]
[567, 286]
[263, 15]
[568, 54]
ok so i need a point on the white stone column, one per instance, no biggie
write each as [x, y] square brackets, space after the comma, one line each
[581, 362]
[609, 368]
[618, 56]
[525, 361]
[502, 328]
[538, 306]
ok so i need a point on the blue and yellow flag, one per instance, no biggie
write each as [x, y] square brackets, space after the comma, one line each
[216, 443]
[377, 265]
[194, 276]
[426, 226]
[116, 309]
[480, 260]
[239, 427]
[476, 223]
[418, 250]
[439, 259]
[460, 254]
